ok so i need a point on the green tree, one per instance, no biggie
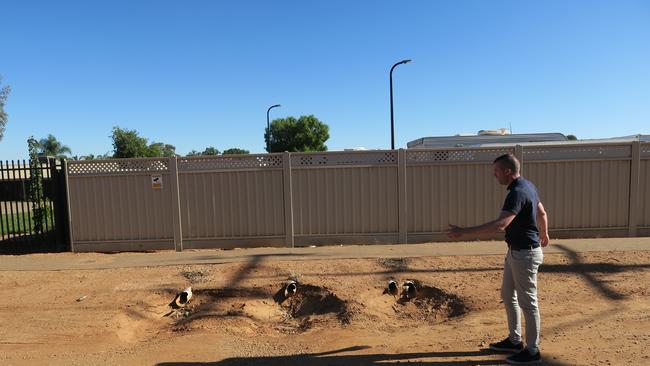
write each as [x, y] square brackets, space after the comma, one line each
[4, 93]
[306, 133]
[129, 144]
[571, 137]
[91, 157]
[235, 151]
[208, 151]
[97, 157]
[158, 149]
[50, 146]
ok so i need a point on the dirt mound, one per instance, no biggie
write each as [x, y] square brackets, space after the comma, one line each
[310, 305]
[115, 316]
[313, 300]
[428, 304]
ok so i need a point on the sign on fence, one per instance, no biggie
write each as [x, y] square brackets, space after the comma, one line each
[156, 181]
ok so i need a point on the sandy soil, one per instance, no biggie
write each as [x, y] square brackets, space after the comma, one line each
[595, 311]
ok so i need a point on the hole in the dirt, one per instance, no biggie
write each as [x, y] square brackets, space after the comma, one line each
[312, 300]
[430, 304]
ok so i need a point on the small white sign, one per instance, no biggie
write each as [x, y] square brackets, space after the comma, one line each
[156, 181]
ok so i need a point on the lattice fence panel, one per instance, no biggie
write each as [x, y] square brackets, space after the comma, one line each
[342, 159]
[230, 162]
[452, 156]
[118, 166]
[576, 152]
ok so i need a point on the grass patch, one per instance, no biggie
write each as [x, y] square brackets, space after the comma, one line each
[22, 223]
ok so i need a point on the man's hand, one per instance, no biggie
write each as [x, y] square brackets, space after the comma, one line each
[543, 240]
[542, 224]
[454, 231]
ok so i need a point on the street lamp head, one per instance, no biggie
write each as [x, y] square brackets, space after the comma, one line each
[405, 61]
[276, 105]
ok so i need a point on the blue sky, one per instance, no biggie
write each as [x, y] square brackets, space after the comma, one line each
[202, 73]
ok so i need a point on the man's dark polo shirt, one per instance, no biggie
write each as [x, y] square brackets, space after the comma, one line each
[522, 200]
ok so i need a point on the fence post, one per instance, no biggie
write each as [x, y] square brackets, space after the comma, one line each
[176, 204]
[67, 198]
[54, 198]
[635, 166]
[402, 214]
[288, 199]
[57, 188]
[519, 154]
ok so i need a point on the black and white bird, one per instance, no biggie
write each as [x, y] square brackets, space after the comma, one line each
[409, 290]
[392, 288]
[290, 289]
[182, 298]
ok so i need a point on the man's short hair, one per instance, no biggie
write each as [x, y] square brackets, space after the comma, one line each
[508, 161]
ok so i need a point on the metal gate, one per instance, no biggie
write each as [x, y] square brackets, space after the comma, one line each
[28, 225]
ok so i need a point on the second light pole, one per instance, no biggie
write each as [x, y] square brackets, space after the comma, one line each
[268, 128]
[392, 123]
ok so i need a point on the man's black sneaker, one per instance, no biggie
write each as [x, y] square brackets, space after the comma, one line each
[507, 346]
[524, 358]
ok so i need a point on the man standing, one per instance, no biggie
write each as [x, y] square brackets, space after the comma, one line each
[524, 219]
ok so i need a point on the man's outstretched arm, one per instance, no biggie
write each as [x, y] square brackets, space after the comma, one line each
[500, 224]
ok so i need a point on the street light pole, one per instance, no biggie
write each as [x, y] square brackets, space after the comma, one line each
[268, 128]
[392, 123]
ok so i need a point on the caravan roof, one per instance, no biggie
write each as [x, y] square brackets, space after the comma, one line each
[479, 140]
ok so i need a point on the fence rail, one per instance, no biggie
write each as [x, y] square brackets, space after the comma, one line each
[364, 197]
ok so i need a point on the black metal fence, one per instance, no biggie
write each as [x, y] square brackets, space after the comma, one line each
[28, 225]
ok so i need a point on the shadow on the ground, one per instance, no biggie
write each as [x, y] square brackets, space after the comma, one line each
[287, 256]
[587, 271]
[30, 244]
[395, 266]
[333, 358]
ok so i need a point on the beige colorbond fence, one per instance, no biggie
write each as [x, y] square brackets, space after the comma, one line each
[444, 187]
[643, 202]
[342, 197]
[588, 189]
[347, 197]
[231, 199]
[113, 203]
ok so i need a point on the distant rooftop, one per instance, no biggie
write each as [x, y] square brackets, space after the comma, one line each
[500, 136]
[486, 140]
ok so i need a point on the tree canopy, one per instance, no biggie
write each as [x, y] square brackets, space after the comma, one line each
[129, 144]
[4, 93]
[235, 151]
[208, 151]
[306, 133]
[50, 146]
